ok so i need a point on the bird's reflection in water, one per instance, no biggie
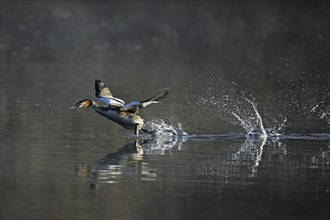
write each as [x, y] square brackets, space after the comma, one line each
[127, 162]
[132, 161]
[162, 146]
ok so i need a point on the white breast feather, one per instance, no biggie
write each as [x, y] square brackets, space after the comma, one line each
[107, 101]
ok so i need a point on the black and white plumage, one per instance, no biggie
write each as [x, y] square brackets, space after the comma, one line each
[103, 93]
[134, 106]
[116, 110]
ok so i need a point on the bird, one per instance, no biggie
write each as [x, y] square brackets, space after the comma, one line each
[126, 115]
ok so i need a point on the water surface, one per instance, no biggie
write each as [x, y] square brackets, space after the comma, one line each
[248, 110]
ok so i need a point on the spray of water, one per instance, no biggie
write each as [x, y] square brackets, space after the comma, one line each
[248, 118]
[322, 110]
[160, 128]
[253, 125]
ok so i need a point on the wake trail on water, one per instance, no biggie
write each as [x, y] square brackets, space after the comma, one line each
[247, 116]
[173, 132]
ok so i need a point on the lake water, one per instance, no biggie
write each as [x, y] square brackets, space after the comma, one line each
[243, 134]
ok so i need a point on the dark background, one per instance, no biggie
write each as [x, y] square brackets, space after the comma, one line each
[58, 163]
[208, 53]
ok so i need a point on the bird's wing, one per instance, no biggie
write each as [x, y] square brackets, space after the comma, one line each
[134, 106]
[103, 93]
[131, 107]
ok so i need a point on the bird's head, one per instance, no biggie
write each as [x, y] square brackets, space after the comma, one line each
[83, 104]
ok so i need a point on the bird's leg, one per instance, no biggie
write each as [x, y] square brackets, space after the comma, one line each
[137, 128]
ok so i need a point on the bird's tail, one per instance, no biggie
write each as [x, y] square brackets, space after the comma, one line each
[156, 98]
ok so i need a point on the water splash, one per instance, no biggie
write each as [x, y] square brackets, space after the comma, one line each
[245, 112]
[322, 110]
[162, 145]
[160, 128]
[253, 125]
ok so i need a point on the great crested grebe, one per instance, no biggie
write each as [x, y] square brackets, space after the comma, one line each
[116, 110]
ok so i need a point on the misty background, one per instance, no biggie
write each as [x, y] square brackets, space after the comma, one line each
[215, 57]
[209, 54]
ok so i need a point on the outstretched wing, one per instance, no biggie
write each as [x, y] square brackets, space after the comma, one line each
[134, 106]
[103, 93]
[101, 90]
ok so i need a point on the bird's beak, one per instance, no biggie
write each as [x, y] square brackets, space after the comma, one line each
[75, 106]
[84, 104]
